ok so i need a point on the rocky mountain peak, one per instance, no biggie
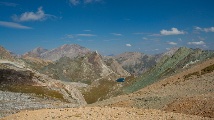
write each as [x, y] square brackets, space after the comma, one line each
[171, 51]
[68, 50]
[4, 54]
[35, 52]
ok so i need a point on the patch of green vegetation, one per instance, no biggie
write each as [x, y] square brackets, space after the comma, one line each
[100, 92]
[105, 90]
[39, 91]
[208, 69]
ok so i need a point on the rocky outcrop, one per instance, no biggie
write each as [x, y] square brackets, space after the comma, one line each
[4, 54]
[116, 67]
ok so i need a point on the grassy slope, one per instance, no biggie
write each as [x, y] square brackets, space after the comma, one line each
[168, 66]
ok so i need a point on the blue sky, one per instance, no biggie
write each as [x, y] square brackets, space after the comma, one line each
[109, 26]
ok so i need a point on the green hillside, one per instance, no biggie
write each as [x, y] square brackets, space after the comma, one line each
[183, 57]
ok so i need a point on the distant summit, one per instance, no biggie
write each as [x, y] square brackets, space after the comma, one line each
[35, 52]
[135, 62]
[67, 50]
[171, 51]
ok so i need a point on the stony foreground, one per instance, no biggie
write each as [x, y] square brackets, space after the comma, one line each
[98, 113]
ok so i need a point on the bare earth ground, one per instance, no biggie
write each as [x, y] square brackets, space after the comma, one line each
[174, 98]
[98, 113]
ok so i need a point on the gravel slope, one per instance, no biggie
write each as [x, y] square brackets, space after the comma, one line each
[98, 113]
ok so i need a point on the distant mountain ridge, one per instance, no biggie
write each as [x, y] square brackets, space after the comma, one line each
[35, 52]
[67, 50]
[70, 51]
[135, 62]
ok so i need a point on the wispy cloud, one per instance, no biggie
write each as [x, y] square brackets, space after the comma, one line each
[172, 43]
[116, 34]
[173, 31]
[69, 36]
[74, 2]
[86, 35]
[210, 29]
[144, 38]
[87, 30]
[9, 4]
[128, 45]
[201, 38]
[197, 28]
[91, 1]
[141, 33]
[77, 2]
[76, 36]
[197, 43]
[32, 16]
[13, 25]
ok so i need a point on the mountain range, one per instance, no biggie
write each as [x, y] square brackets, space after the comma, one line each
[72, 75]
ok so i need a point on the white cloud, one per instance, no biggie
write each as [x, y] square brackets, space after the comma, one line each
[13, 25]
[174, 31]
[74, 2]
[85, 35]
[197, 43]
[172, 43]
[117, 34]
[210, 29]
[128, 45]
[31, 16]
[198, 28]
